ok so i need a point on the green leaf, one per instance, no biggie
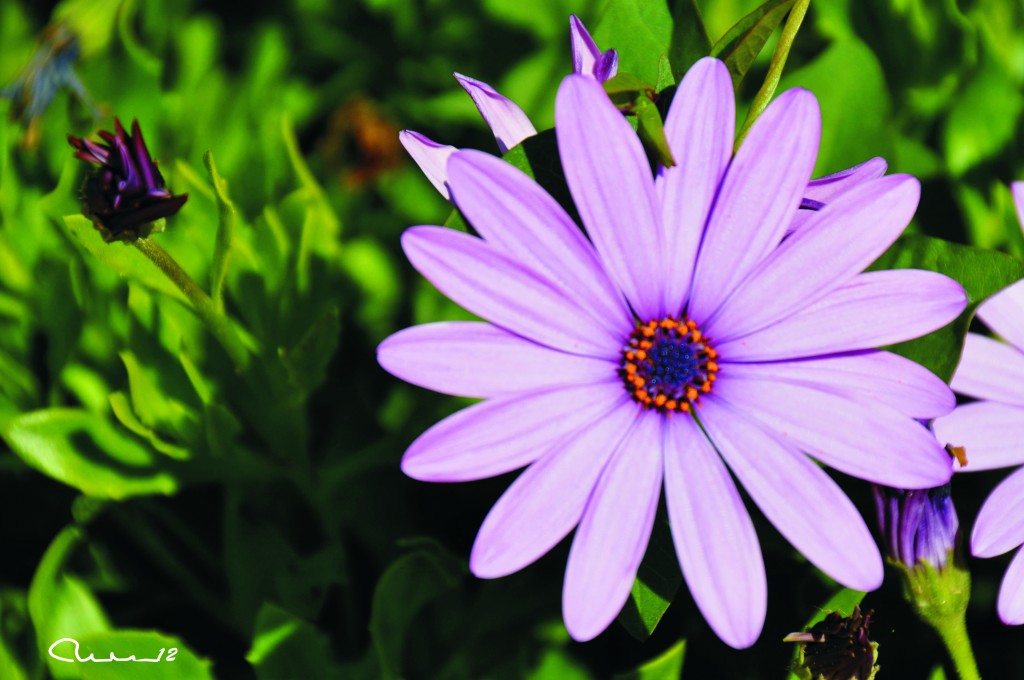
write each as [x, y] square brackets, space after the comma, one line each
[980, 272]
[307, 361]
[640, 31]
[983, 120]
[938, 673]
[657, 582]
[690, 40]
[409, 584]
[668, 666]
[651, 130]
[225, 231]
[285, 646]
[61, 605]
[843, 602]
[742, 43]
[83, 450]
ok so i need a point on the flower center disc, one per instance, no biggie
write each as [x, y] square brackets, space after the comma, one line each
[668, 364]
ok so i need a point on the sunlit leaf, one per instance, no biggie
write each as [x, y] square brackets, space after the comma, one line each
[742, 43]
[657, 582]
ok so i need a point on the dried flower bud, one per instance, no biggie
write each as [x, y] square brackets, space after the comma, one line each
[837, 648]
[126, 193]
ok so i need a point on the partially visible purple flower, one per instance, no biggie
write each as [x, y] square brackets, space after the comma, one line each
[506, 120]
[587, 57]
[918, 525]
[992, 430]
[687, 337]
[126, 193]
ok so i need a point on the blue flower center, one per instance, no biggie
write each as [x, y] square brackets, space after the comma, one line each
[667, 364]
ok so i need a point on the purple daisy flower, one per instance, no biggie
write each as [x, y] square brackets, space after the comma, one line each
[684, 339]
[992, 429]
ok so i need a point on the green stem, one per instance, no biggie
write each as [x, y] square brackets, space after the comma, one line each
[771, 81]
[215, 320]
[953, 630]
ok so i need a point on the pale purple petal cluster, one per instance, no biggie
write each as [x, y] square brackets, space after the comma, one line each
[689, 338]
[991, 430]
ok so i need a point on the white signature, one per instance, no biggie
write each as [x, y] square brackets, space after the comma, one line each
[159, 657]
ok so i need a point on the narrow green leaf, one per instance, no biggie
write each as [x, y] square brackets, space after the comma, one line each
[176, 660]
[779, 57]
[83, 450]
[667, 666]
[306, 362]
[665, 75]
[411, 582]
[938, 673]
[651, 130]
[284, 645]
[742, 43]
[225, 231]
[657, 582]
[980, 272]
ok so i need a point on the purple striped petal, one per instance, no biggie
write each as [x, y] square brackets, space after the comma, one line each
[613, 534]
[505, 433]
[830, 187]
[489, 283]
[611, 183]
[846, 237]
[992, 433]
[515, 215]
[1004, 314]
[798, 497]
[587, 58]
[875, 309]
[1011, 594]
[430, 156]
[544, 504]
[472, 359]
[714, 537]
[506, 120]
[990, 369]
[999, 527]
[872, 377]
[758, 199]
[872, 443]
[700, 128]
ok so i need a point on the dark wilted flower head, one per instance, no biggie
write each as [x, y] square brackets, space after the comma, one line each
[837, 648]
[126, 193]
[917, 525]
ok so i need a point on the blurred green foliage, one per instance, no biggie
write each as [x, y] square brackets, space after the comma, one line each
[256, 520]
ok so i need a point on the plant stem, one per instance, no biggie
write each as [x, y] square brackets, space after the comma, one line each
[216, 321]
[953, 631]
[771, 81]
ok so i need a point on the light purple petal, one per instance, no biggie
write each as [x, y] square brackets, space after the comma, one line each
[758, 199]
[830, 187]
[587, 58]
[873, 377]
[990, 369]
[514, 214]
[611, 183]
[798, 497]
[1011, 593]
[544, 504]
[714, 537]
[999, 527]
[430, 156]
[505, 433]
[992, 433]
[489, 283]
[613, 534]
[1017, 189]
[875, 309]
[847, 236]
[873, 443]
[1004, 314]
[472, 359]
[506, 120]
[700, 128]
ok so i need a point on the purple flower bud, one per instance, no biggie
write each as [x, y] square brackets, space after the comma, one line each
[126, 192]
[917, 525]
